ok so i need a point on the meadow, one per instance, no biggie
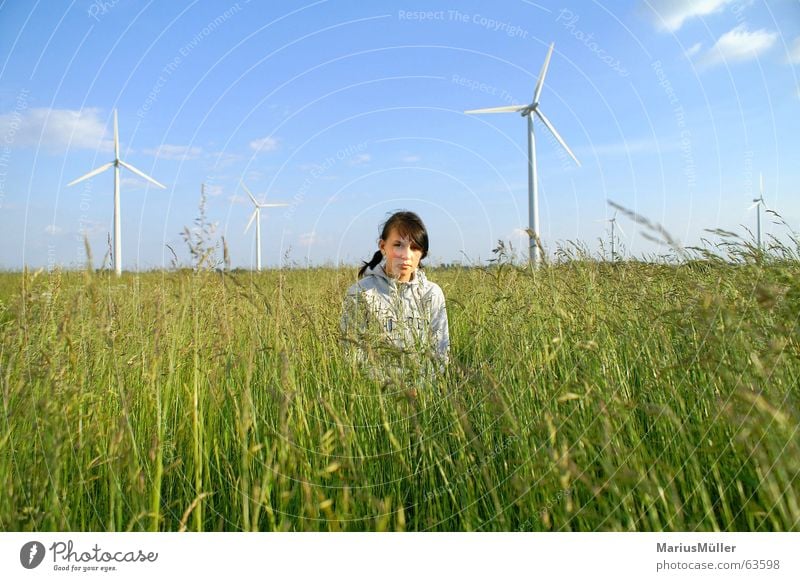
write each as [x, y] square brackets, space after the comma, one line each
[587, 395]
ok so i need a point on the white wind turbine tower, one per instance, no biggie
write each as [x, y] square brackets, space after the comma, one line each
[257, 217]
[533, 185]
[115, 164]
[759, 203]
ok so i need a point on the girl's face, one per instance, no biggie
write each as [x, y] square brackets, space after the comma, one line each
[402, 256]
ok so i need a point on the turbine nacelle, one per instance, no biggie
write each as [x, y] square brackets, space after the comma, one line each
[260, 205]
[614, 223]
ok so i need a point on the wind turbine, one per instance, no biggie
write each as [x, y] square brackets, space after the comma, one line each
[257, 217]
[614, 225]
[533, 185]
[759, 202]
[115, 164]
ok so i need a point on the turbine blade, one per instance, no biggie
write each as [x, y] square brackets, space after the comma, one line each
[508, 109]
[761, 184]
[540, 82]
[92, 173]
[278, 205]
[753, 206]
[621, 230]
[252, 217]
[142, 174]
[249, 193]
[555, 134]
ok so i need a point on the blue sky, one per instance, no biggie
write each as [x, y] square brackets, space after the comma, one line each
[348, 110]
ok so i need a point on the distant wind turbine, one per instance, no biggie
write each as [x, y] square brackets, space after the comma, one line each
[533, 185]
[759, 203]
[614, 225]
[257, 217]
[115, 164]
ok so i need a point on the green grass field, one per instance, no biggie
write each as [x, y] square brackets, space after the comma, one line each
[583, 396]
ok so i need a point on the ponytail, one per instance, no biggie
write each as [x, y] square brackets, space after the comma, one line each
[376, 260]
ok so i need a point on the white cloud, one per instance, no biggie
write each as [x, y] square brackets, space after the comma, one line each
[179, 152]
[57, 130]
[519, 234]
[92, 227]
[738, 44]
[264, 144]
[670, 15]
[410, 158]
[360, 159]
[132, 183]
[794, 52]
[213, 190]
[222, 159]
[308, 239]
[693, 50]
[631, 147]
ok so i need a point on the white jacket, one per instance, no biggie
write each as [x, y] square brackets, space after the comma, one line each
[410, 316]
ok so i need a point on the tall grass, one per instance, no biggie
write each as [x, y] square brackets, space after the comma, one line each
[585, 395]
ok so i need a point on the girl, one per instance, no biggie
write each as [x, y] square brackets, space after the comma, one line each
[393, 304]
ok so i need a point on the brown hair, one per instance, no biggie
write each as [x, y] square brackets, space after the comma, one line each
[408, 224]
